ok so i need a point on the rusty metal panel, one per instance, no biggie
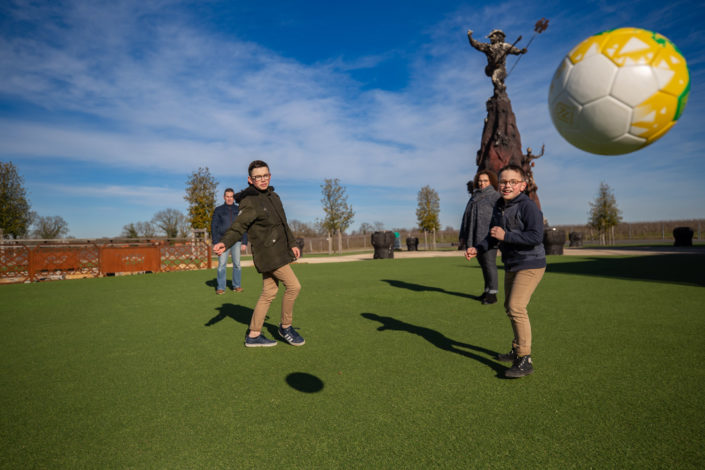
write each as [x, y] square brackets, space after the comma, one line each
[63, 261]
[129, 259]
[42, 260]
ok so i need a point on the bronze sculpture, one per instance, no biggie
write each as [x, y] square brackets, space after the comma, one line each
[527, 163]
[500, 142]
[496, 52]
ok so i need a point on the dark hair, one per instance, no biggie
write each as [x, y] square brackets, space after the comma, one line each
[490, 174]
[513, 167]
[228, 190]
[256, 164]
[470, 184]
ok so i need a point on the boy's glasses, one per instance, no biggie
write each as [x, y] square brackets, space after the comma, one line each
[509, 182]
[261, 177]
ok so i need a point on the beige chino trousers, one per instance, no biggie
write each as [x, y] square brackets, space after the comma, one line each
[270, 287]
[518, 288]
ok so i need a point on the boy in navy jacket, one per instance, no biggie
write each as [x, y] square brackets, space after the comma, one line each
[517, 229]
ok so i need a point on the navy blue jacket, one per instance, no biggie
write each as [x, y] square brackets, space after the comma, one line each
[522, 221]
[223, 217]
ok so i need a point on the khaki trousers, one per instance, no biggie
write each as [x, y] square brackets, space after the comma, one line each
[518, 288]
[270, 287]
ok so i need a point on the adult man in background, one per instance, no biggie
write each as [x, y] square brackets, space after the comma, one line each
[223, 217]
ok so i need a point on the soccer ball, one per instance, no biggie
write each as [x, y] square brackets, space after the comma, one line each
[618, 91]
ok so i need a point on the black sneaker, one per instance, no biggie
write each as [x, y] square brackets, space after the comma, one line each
[522, 366]
[489, 299]
[509, 357]
[291, 336]
[259, 342]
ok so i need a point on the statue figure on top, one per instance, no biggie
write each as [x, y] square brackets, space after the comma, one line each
[496, 52]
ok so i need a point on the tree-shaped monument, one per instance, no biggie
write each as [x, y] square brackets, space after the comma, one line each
[501, 142]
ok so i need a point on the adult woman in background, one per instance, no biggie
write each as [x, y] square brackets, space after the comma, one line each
[476, 226]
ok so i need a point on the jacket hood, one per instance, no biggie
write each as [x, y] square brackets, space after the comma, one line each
[251, 191]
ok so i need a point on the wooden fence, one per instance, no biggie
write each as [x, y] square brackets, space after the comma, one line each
[42, 260]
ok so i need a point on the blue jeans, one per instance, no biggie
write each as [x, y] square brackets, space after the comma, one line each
[222, 267]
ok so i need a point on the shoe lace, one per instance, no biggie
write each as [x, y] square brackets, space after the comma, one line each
[291, 332]
[523, 361]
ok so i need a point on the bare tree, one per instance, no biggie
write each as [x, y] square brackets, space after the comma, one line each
[366, 228]
[139, 230]
[170, 222]
[49, 228]
[146, 229]
[302, 229]
[129, 231]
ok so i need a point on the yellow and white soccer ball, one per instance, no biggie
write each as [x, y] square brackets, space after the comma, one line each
[618, 91]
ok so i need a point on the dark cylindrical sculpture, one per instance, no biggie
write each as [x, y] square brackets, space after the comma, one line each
[683, 236]
[553, 241]
[383, 242]
[576, 239]
[412, 244]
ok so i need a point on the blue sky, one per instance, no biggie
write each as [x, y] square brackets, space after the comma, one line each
[106, 107]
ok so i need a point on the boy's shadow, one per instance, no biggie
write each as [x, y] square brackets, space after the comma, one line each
[439, 340]
[421, 288]
[241, 315]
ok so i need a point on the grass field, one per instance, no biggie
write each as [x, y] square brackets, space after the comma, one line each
[150, 371]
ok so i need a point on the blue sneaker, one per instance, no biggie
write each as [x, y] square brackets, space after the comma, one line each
[259, 342]
[291, 336]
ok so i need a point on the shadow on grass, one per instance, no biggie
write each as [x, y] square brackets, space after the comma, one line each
[304, 382]
[439, 340]
[421, 288]
[241, 315]
[677, 269]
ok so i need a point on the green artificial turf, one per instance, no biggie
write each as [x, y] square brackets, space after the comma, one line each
[150, 371]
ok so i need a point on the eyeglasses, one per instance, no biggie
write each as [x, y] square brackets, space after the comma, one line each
[260, 177]
[509, 182]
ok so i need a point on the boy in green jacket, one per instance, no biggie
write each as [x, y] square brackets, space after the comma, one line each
[273, 249]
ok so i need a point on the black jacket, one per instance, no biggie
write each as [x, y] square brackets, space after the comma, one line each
[522, 221]
[262, 217]
[223, 217]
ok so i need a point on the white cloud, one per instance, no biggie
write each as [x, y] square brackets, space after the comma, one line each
[147, 196]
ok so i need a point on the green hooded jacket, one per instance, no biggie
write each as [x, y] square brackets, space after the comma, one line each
[262, 217]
